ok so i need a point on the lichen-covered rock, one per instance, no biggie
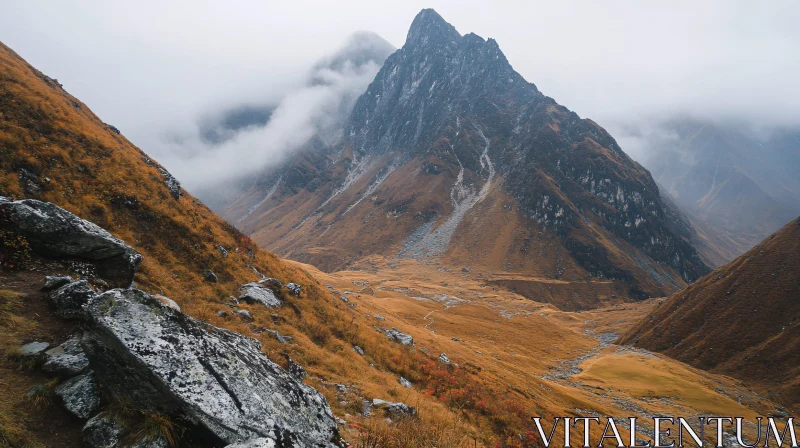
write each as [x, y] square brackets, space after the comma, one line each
[358, 350]
[66, 359]
[255, 293]
[296, 369]
[79, 395]
[397, 336]
[167, 362]
[294, 288]
[405, 383]
[395, 409]
[70, 298]
[261, 442]
[443, 358]
[101, 432]
[53, 282]
[55, 232]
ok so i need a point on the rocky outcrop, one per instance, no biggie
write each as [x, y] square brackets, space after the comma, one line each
[173, 185]
[397, 336]
[55, 232]
[167, 362]
[79, 395]
[101, 432]
[294, 288]
[53, 282]
[394, 409]
[70, 298]
[67, 359]
[260, 442]
[256, 293]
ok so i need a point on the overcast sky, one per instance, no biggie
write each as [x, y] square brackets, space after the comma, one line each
[153, 68]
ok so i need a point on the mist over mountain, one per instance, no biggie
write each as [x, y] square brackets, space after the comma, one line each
[736, 180]
[232, 144]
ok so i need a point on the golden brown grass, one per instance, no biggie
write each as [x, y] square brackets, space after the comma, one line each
[507, 342]
[413, 432]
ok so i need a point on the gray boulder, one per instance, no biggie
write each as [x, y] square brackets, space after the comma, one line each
[294, 288]
[55, 232]
[173, 185]
[358, 350]
[101, 432]
[405, 383]
[167, 362]
[70, 298]
[66, 359]
[53, 282]
[222, 251]
[80, 395]
[261, 442]
[282, 338]
[211, 277]
[394, 409]
[443, 358]
[397, 336]
[244, 315]
[255, 293]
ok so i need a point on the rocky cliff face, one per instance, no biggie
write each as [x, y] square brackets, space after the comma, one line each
[738, 183]
[451, 154]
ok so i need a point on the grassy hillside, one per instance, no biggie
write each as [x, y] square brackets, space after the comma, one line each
[742, 320]
[53, 148]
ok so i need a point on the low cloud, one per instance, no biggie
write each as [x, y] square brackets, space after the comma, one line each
[242, 140]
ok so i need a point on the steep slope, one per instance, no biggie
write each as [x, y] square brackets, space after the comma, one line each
[451, 155]
[742, 320]
[739, 184]
[53, 148]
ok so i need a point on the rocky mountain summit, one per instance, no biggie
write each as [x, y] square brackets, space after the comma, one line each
[450, 154]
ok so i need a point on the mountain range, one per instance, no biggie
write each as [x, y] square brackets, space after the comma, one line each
[450, 155]
[734, 183]
[465, 253]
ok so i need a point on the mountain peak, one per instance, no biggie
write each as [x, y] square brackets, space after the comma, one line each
[429, 26]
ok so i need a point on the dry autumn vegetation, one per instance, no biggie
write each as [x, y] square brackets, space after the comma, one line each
[734, 322]
[511, 358]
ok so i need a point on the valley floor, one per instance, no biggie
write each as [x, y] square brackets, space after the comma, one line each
[560, 360]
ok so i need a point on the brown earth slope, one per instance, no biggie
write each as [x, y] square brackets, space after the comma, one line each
[742, 320]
